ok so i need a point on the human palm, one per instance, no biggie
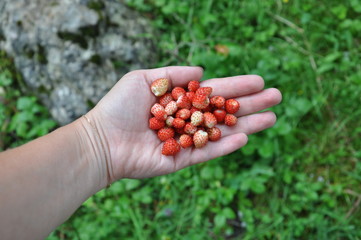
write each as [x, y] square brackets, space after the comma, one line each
[135, 150]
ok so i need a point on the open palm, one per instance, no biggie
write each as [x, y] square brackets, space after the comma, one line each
[135, 150]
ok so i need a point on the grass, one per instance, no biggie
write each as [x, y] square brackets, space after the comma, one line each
[298, 180]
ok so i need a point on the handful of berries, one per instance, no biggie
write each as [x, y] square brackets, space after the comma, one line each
[190, 116]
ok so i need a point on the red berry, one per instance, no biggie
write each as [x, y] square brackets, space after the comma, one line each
[197, 118]
[156, 124]
[177, 92]
[165, 99]
[214, 134]
[218, 101]
[158, 111]
[190, 128]
[184, 102]
[171, 108]
[165, 133]
[232, 106]
[171, 147]
[230, 120]
[200, 138]
[185, 140]
[209, 120]
[160, 86]
[200, 101]
[204, 91]
[220, 115]
[193, 86]
[178, 123]
[183, 114]
[190, 95]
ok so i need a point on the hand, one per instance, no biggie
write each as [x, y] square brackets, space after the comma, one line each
[134, 150]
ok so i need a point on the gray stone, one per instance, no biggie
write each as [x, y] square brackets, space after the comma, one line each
[71, 52]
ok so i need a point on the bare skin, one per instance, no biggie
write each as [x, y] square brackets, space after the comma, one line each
[43, 182]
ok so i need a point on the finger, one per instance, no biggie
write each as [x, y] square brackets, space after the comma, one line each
[178, 75]
[250, 124]
[258, 101]
[232, 87]
[212, 150]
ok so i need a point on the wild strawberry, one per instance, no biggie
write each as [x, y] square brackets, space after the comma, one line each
[171, 147]
[169, 121]
[171, 108]
[197, 118]
[190, 128]
[230, 120]
[232, 106]
[193, 86]
[177, 92]
[160, 86]
[209, 120]
[220, 115]
[218, 101]
[178, 123]
[204, 91]
[165, 99]
[155, 123]
[185, 140]
[200, 101]
[184, 102]
[214, 134]
[158, 111]
[190, 95]
[183, 114]
[200, 138]
[165, 133]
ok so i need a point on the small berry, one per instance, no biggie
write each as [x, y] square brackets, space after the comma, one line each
[158, 111]
[190, 128]
[184, 102]
[218, 101]
[171, 147]
[193, 86]
[230, 120]
[178, 123]
[171, 108]
[177, 92]
[214, 134]
[220, 115]
[204, 91]
[193, 109]
[165, 133]
[209, 120]
[155, 123]
[190, 95]
[200, 138]
[200, 101]
[165, 99]
[160, 86]
[232, 106]
[197, 118]
[169, 121]
[185, 140]
[183, 114]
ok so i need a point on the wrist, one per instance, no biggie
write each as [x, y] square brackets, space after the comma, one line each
[95, 150]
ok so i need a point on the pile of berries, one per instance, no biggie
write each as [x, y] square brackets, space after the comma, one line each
[192, 115]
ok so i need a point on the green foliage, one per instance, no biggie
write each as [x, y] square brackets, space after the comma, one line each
[22, 118]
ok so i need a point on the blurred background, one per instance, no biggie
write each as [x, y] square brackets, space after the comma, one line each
[298, 180]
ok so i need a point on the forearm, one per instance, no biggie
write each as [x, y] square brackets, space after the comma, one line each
[45, 181]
